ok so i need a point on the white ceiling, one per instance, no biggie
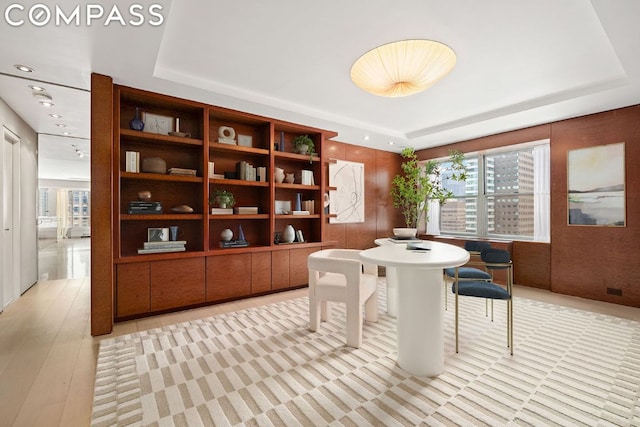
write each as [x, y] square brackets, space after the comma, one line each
[518, 63]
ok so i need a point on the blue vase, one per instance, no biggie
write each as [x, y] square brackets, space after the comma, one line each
[298, 201]
[136, 123]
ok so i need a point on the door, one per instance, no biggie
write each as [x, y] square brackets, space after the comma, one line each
[10, 289]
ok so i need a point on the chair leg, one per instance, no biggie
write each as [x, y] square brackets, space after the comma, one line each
[314, 313]
[325, 311]
[492, 310]
[455, 285]
[446, 303]
[371, 308]
[354, 324]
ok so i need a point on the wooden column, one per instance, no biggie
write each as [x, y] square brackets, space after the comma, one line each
[101, 203]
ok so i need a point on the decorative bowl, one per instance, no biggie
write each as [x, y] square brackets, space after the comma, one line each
[144, 195]
[405, 233]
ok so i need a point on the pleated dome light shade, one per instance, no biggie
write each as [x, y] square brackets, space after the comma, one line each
[403, 68]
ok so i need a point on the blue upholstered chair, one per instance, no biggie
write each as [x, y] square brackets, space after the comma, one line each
[469, 273]
[493, 259]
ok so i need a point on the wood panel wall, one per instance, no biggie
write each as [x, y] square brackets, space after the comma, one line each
[380, 216]
[584, 261]
[587, 260]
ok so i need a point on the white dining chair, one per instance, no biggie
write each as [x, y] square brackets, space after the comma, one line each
[339, 275]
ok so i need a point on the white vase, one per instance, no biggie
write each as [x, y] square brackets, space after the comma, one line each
[289, 234]
[291, 178]
[279, 175]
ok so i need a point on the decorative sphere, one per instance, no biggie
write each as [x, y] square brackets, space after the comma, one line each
[226, 235]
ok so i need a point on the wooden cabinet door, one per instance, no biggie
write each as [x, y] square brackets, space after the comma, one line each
[298, 271]
[279, 269]
[177, 283]
[133, 290]
[228, 276]
[260, 272]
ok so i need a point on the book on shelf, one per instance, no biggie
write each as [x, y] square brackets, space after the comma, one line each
[182, 172]
[233, 244]
[305, 177]
[221, 211]
[309, 205]
[261, 174]
[245, 210]
[247, 172]
[144, 208]
[217, 176]
[299, 236]
[132, 161]
[211, 170]
[167, 244]
[161, 250]
[300, 213]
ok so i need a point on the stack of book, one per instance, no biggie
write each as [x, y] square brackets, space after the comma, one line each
[132, 161]
[240, 243]
[182, 172]
[245, 210]
[159, 247]
[144, 208]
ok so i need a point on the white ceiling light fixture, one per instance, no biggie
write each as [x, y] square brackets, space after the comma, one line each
[47, 104]
[79, 152]
[403, 68]
[55, 116]
[37, 88]
[61, 125]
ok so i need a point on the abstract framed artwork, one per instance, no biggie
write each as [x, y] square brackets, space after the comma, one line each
[596, 186]
[347, 200]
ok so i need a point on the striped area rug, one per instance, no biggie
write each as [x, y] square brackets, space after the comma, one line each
[263, 367]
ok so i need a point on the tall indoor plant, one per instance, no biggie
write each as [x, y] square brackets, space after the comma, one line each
[412, 190]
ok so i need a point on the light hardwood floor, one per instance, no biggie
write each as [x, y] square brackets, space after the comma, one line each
[48, 357]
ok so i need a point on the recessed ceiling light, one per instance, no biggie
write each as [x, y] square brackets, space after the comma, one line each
[37, 88]
[391, 142]
[47, 104]
[42, 96]
[61, 125]
[24, 68]
[55, 116]
[366, 137]
[66, 133]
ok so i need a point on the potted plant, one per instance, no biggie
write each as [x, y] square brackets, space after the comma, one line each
[303, 145]
[412, 190]
[223, 198]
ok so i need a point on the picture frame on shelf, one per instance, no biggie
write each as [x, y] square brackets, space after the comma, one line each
[245, 141]
[283, 207]
[156, 123]
[157, 234]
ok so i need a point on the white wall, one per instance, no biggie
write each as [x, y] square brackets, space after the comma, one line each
[28, 194]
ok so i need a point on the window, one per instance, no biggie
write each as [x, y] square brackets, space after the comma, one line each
[506, 194]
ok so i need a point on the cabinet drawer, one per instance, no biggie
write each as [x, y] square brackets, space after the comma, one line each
[132, 289]
[176, 283]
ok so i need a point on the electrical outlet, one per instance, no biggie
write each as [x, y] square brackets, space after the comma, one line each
[614, 291]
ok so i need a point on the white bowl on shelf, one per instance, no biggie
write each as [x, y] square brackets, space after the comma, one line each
[405, 233]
